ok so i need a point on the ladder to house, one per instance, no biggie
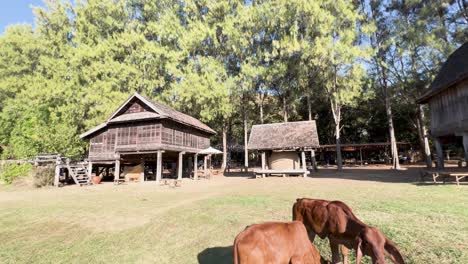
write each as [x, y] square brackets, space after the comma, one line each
[79, 173]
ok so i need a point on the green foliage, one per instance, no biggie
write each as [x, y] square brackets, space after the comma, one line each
[10, 171]
[216, 60]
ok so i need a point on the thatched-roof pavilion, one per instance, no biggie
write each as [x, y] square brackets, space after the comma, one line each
[141, 132]
[282, 142]
[448, 100]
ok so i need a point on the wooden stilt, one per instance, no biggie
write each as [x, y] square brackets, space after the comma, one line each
[57, 176]
[180, 165]
[159, 166]
[117, 170]
[440, 153]
[465, 147]
[205, 166]
[90, 169]
[142, 174]
[195, 167]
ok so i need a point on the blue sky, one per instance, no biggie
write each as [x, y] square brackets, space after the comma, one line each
[16, 11]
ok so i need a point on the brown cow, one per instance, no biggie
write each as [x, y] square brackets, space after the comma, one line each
[335, 220]
[275, 242]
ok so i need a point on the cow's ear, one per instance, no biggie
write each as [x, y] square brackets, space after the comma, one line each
[359, 251]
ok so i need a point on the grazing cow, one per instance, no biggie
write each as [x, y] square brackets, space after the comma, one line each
[335, 220]
[274, 242]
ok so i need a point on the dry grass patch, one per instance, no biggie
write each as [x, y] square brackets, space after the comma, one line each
[197, 223]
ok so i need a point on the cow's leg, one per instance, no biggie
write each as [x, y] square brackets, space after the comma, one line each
[344, 252]
[312, 236]
[335, 250]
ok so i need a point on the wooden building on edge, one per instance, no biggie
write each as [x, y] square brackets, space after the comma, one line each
[280, 145]
[447, 98]
[146, 133]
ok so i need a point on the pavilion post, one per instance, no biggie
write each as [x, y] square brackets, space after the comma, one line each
[180, 167]
[304, 165]
[313, 160]
[440, 153]
[465, 147]
[195, 167]
[117, 169]
[263, 163]
[159, 166]
[360, 155]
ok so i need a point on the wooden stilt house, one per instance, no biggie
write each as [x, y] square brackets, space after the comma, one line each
[149, 135]
[280, 145]
[447, 98]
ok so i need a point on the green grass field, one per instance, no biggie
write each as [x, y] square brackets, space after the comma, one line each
[197, 223]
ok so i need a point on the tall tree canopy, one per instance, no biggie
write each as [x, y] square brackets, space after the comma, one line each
[231, 63]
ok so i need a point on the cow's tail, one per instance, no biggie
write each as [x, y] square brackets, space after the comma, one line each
[392, 252]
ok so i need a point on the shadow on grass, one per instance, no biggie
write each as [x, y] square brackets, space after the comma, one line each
[215, 255]
[410, 175]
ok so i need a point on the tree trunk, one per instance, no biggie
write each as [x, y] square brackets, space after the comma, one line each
[391, 129]
[261, 112]
[339, 160]
[423, 137]
[309, 107]
[285, 109]
[225, 150]
[336, 111]
[246, 151]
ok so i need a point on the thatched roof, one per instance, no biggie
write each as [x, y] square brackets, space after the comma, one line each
[284, 136]
[158, 111]
[454, 70]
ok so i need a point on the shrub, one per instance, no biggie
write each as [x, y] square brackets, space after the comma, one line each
[43, 176]
[10, 171]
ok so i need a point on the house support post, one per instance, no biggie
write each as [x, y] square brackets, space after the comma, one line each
[159, 166]
[205, 165]
[195, 167]
[57, 175]
[304, 165]
[142, 174]
[440, 153]
[263, 163]
[180, 165]
[465, 147]
[117, 169]
[313, 160]
[90, 169]
[189, 165]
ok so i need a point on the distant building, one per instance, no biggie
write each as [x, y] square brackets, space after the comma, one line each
[280, 144]
[447, 98]
[143, 132]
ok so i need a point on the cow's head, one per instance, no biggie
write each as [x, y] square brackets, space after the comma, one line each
[371, 242]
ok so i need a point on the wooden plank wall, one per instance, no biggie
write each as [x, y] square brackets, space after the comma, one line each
[449, 111]
[146, 136]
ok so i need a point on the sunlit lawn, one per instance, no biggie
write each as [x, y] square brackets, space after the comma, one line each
[197, 223]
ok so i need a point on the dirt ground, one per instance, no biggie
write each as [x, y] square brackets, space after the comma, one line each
[196, 223]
